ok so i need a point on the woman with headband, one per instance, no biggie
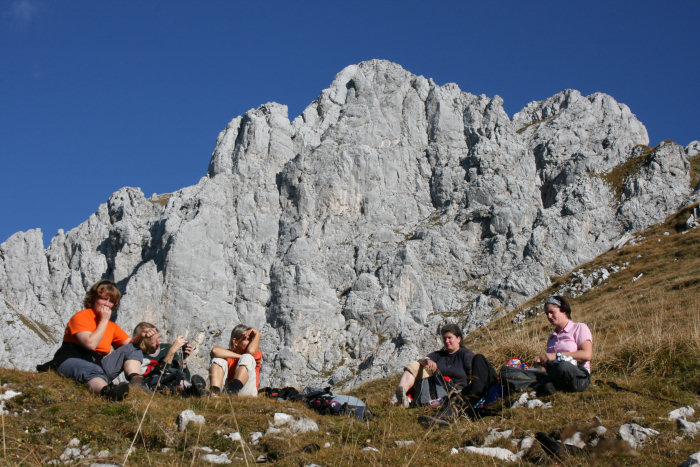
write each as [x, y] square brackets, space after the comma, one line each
[569, 350]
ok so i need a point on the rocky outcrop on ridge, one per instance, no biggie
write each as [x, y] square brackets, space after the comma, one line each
[389, 206]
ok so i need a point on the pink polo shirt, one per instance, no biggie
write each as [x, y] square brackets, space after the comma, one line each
[570, 339]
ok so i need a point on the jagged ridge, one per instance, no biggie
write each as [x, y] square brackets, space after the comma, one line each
[390, 205]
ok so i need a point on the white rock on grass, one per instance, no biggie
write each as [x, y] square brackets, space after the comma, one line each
[70, 454]
[206, 449]
[686, 427]
[683, 412]
[499, 453]
[303, 425]
[187, 416]
[534, 403]
[495, 435]
[635, 434]
[522, 400]
[575, 440]
[7, 395]
[282, 418]
[527, 443]
[290, 425]
[693, 460]
[235, 436]
[216, 459]
[274, 431]
[255, 437]
[403, 444]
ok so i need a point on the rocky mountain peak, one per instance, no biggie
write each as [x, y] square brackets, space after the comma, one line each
[348, 235]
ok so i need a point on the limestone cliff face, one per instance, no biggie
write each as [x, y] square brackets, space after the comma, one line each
[348, 235]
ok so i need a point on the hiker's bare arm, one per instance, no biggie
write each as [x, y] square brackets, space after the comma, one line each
[146, 333]
[254, 345]
[222, 352]
[90, 340]
[179, 342]
[584, 354]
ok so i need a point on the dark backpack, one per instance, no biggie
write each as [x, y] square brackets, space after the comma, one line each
[515, 379]
[432, 390]
[168, 382]
[328, 403]
[279, 393]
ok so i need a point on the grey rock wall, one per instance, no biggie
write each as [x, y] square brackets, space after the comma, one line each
[389, 206]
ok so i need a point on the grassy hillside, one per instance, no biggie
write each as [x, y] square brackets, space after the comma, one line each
[645, 320]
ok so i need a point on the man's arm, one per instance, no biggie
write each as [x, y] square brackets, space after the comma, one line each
[142, 335]
[179, 342]
[222, 352]
[254, 345]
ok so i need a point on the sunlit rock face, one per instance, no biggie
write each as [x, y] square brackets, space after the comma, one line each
[347, 236]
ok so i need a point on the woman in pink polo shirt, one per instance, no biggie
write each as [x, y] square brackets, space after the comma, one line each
[569, 350]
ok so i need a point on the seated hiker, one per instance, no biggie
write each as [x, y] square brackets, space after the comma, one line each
[471, 374]
[164, 366]
[566, 364]
[569, 350]
[239, 365]
[86, 354]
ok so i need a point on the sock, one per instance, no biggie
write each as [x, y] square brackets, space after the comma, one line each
[215, 389]
[131, 375]
[234, 387]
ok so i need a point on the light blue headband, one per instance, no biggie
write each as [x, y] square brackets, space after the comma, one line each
[553, 301]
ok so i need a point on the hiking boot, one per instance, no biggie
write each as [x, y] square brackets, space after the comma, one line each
[137, 382]
[449, 413]
[115, 393]
[401, 397]
[199, 386]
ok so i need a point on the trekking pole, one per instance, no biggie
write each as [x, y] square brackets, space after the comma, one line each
[617, 387]
[138, 430]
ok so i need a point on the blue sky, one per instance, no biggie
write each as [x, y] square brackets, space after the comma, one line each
[97, 95]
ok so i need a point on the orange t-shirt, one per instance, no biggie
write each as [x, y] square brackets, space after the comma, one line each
[86, 320]
[232, 362]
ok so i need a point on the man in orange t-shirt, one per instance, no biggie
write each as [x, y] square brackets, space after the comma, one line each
[86, 353]
[236, 364]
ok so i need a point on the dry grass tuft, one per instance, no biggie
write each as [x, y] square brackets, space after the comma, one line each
[617, 176]
[694, 170]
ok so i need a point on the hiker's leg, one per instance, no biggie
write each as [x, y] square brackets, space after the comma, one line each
[84, 371]
[407, 381]
[411, 373]
[244, 378]
[127, 357]
[218, 372]
[568, 377]
[96, 385]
